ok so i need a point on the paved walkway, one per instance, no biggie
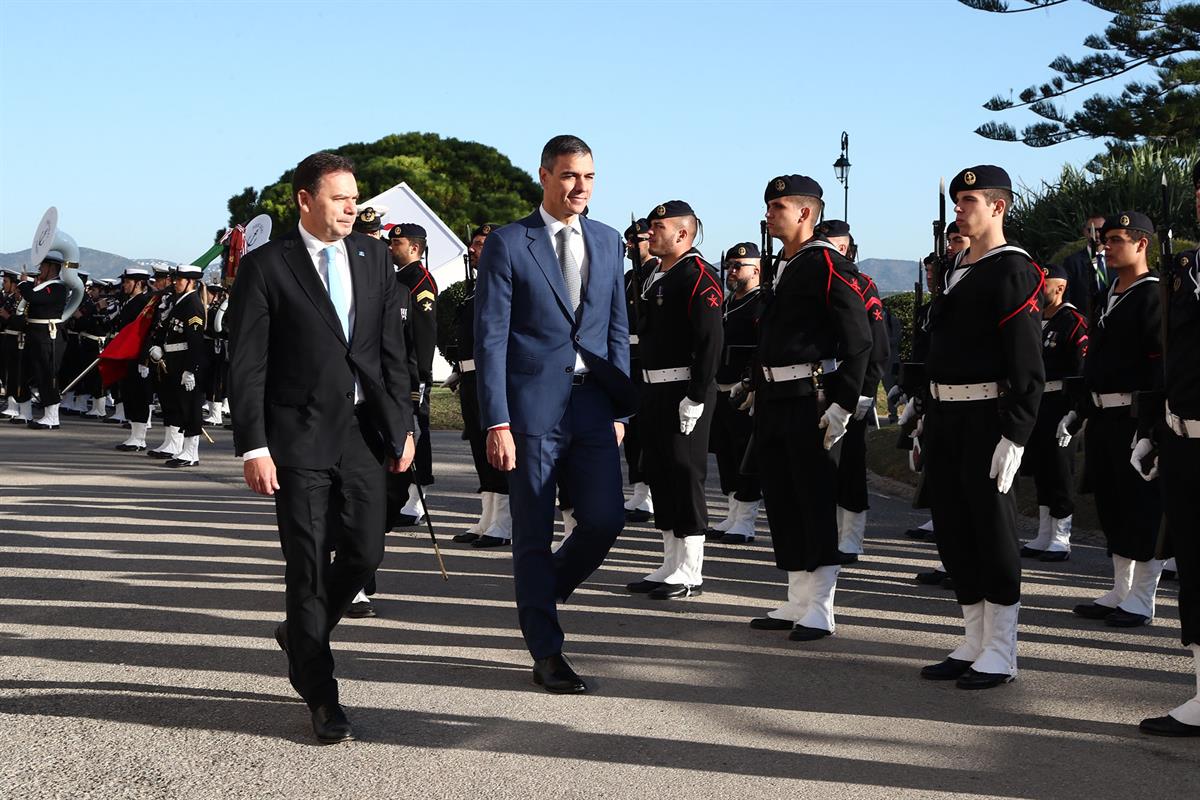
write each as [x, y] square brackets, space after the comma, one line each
[136, 661]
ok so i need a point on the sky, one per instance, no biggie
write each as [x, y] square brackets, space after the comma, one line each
[139, 120]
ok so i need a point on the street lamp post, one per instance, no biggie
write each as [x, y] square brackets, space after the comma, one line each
[841, 168]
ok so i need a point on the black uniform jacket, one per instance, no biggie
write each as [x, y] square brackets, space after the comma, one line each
[741, 335]
[422, 316]
[1125, 340]
[986, 327]
[1064, 343]
[185, 326]
[881, 348]
[46, 300]
[679, 324]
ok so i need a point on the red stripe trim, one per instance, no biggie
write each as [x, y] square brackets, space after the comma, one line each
[1031, 303]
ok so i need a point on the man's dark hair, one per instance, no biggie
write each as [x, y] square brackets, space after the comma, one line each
[564, 145]
[310, 171]
[421, 242]
[992, 195]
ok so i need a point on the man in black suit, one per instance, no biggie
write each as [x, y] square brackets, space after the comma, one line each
[1085, 276]
[319, 386]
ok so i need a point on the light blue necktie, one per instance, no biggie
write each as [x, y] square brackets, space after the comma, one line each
[339, 293]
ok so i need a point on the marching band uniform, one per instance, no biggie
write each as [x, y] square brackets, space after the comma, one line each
[134, 388]
[45, 340]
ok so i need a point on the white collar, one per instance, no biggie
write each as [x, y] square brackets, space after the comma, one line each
[555, 225]
[315, 245]
[50, 282]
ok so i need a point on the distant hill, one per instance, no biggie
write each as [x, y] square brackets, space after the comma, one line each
[891, 275]
[96, 263]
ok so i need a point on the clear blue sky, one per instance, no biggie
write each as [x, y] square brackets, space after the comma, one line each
[139, 120]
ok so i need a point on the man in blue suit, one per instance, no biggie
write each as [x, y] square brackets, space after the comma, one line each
[552, 360]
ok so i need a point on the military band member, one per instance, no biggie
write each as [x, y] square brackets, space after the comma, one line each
[1064, 344]
[163, 295]
[640, 506]
[180, 362]
[134, 387]
[986, 378]
[813, 346]
[216, 340]
[91, 324]
[45, 337]
[73, 403]
[679, 339]
[12, 350]
[732, 424]
[1179, 456]
[493, 484]
[1124, 357]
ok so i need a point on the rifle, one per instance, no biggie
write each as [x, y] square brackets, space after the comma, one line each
[768, 256]
[469, 274]
[722, 268]
[912, 378]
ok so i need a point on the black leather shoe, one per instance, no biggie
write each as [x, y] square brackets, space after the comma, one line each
[462, 538]
[982, 680]
[947, 583]
[803, 633]
[643, 587]
[735, 538]
[1029, 552]
[281, 636]
[1169, 575]
[330, 724]
[130, 448]
[847, 558]
[1093, 611]
[1167, 726]
[407, 521]
[1054, 556]
[638, 515]
[933, 577]
[920, 534]
[555, 675]
[176, 463]
[490, 541]
[771, 624]
[16, 421]
[949, 670]
[713, 535]
[1125, 619]
[110, 421]
[360, 610]
[159, 454]
[41, 426]
[672, 591]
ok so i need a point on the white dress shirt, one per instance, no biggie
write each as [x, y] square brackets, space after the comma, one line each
[575, 242]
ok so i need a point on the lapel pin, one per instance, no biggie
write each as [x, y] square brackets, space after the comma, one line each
[362, 254]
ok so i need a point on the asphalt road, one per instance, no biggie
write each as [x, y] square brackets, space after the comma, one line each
[136, 661]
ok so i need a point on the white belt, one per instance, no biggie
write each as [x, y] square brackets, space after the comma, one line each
[1187, 428]
[466, 365]
[797, 372]
[177, 347]
[92, 336]
[1053, 386]
[963, 392]
[13, 333]
[45, 321]
[668, 375]
[1112, 399]
[633, 338]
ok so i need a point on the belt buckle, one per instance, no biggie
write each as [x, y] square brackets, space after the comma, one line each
[818, 369]
[767, 374]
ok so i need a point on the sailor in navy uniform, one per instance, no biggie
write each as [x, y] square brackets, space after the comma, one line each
[640, 506]
[1124, 358]
[985, 383]
[12, 351]
[679, 342]
[134, 387]
[1064, 344]
[45, 339]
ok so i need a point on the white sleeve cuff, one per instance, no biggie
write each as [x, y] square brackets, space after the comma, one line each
[257, 452]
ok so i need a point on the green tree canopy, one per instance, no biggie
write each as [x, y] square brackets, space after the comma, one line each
[1162, 34]
[465, 183]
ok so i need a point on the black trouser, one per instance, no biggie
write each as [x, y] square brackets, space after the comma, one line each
[1130, 509]
[69, 366]
[490, 478]
[45, 358]
[798, 481]
[181, 408]
[318, 592]
[852, 467]
[675, 465]
[632, 442]
[1179, 464]
[134, 393]
[730, 434]
[1051, 466]
[15, 374]
[89, 351]
[975, 525]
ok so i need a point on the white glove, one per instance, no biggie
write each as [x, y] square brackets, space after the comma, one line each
[156, 353]
[143, 370]
[864, 405]
[1141, 449]
[914, 455]
[689, 415]
[910, 411]
[451, 382]
[736, 391]
[896, 396]
[917, 431]
[1064, 435]
[833, 422]
[748, 404]
[188, 382]
[1006, 460]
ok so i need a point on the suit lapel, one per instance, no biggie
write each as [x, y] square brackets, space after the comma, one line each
[595, 268]
[547, 261]
[295, 255]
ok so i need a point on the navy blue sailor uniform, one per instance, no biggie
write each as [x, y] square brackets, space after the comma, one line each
[731, 428]
[184, 351]
[45, 340]
[632, 443]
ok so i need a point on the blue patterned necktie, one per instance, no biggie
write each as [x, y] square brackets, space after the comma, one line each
[339, 293]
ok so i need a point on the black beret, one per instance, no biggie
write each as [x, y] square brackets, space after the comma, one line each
[792, 186]
[952, 228]
[1054, 272]
[1127, 220]
[484, 230]
[407, 230]
[368, 220]
[743, 250]
[983, 176]
[635, 228]
[833, 227]
[671, 208]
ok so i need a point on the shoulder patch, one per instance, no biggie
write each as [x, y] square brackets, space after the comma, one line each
[195, 321]
[426, 295]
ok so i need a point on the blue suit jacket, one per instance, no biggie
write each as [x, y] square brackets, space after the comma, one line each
[526, 335]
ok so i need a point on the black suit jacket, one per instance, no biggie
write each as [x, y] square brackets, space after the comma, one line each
[291, 369]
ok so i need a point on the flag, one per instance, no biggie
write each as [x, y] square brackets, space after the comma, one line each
[126, 346]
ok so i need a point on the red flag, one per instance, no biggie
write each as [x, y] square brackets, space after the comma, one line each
[126, 346]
